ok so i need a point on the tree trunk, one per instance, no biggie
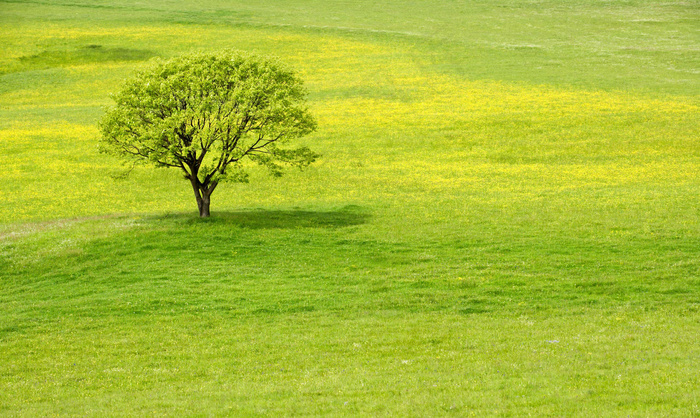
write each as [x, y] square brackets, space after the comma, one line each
[203, 195]
[204, 206]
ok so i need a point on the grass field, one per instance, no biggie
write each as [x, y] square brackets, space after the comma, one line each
[505, 219]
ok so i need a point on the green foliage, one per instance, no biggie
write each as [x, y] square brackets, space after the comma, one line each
[206, 113]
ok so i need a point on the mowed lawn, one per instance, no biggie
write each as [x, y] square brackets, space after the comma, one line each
[505, 219]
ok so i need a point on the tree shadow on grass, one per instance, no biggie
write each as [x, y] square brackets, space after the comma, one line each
[278, 219]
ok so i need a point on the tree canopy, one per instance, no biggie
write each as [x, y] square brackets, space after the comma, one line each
[206, 114]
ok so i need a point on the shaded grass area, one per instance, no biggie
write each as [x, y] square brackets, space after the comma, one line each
[278, 219]
[88, 54]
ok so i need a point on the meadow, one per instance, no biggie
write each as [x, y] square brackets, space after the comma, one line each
[505, 220]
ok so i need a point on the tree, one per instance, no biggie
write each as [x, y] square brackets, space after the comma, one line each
[206, 114]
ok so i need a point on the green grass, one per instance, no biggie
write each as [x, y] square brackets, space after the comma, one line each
[283, 312]
[505, 220]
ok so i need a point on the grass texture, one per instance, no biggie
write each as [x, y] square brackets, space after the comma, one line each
[505, 220]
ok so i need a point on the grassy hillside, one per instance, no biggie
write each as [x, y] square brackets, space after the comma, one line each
[505, 219]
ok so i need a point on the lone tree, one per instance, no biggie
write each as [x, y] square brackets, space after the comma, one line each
[206, 114]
